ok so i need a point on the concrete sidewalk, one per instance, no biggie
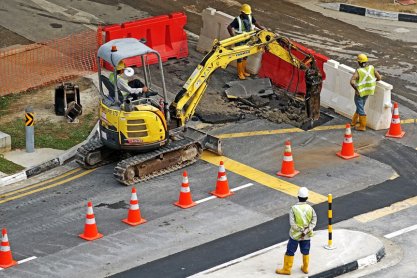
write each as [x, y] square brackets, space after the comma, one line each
[353, 250]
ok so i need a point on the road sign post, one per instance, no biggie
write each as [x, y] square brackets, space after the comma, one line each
[30, 130]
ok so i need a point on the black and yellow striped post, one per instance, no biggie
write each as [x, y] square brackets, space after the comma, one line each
[330, 245]
[30, 129]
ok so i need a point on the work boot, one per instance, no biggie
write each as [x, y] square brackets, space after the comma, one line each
[240, 70]
[244, 62]
[286, 270]
[304, 267]
[362, 123]
[355, 119]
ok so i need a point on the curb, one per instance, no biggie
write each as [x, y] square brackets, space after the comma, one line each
[370, 12]
[47, 165]
[348, 267]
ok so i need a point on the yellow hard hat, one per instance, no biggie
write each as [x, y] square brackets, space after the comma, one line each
[362, 58]
[246, 9]
[120, 66]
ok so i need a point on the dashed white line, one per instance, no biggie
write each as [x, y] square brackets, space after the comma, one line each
[23, 261]
[233, 189]
[402, 231]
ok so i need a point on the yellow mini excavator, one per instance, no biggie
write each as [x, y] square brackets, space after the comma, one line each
[150, 138]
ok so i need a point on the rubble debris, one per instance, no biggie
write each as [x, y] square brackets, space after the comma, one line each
[249, 87]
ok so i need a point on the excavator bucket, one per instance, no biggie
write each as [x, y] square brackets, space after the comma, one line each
[314, 83]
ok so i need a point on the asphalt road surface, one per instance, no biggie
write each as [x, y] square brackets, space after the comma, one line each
[44, 220]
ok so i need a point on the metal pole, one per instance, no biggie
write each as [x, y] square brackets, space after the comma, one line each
[329, 227]
[30, 130]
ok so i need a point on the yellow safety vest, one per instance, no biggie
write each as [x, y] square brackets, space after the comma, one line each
[367, 82]
[303, 215]
[241, 25]
[112, 79]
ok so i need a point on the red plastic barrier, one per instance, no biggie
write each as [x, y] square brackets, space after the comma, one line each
[284, 74]
[164, 34]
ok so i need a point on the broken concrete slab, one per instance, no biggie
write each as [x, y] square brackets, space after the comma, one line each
[249, 87]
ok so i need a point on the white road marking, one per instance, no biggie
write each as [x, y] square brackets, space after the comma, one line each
[402, 231]
[238, 260]
[23, 261]
[233, 189]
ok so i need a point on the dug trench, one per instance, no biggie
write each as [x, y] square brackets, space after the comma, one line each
[280, 107]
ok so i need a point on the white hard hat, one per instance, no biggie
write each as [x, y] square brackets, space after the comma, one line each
[303, 192]
[129, 72]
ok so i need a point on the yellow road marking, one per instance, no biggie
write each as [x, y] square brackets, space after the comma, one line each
[258, 133]
[47, 187]
[260, 177]
[291, 130]
[41, 183]
[328, 127]
[379, 213]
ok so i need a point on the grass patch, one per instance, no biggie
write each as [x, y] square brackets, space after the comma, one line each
[9, 167]
[5, 102]
[61, 135]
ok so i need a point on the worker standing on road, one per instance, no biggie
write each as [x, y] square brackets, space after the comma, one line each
[303, 219]
[363, 82]
[134, 87]
[245, 22]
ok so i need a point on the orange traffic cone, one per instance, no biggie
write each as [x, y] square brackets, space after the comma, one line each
[90, 227]
[133, 217]
[222, 185]
[6, 259]
[287, 167]
[185, 200]
[395, 127]
[347, 151]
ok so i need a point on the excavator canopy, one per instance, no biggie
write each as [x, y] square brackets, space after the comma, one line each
[126, 48]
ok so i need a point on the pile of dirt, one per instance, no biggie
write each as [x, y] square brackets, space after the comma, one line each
[281, 107]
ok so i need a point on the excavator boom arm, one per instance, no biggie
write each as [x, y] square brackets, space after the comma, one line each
[222, 53]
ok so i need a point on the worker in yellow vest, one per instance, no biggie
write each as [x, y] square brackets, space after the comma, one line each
[133, 87]
[245, 22]
[363, 82]
[303, 219]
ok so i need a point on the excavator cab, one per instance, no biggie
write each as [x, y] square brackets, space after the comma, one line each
[128, 122]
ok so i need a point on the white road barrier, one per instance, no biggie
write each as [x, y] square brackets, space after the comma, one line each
[338, 95]
[215, 27]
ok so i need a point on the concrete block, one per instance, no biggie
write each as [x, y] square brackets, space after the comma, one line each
[215, 27]
[338, 94]
[381, 14]
[5, 142]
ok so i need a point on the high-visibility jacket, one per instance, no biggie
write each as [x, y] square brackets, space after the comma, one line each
[123, 85]
[367, 81]
[241, 27]
[303, 218]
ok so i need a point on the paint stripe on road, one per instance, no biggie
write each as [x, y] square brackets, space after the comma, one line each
[47, 187]
[259, 133]
[40, 183]
[379, 213]
[238, 260]
[260, 177]
[232, 189]
[23, 261]
[402, 231]
[291, 130]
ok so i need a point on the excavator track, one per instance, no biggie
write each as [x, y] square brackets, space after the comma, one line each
[142, 167]
[94, 154]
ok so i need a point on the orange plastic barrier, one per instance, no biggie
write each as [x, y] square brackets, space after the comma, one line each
[164, 33]
[287, 76]
[35, 65]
